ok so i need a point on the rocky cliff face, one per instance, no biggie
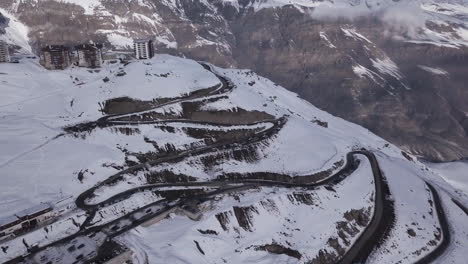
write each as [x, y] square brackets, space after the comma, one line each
[400, 73]
[411, 94]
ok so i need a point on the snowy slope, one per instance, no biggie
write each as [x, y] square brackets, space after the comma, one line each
[38, 103]
[456, 173]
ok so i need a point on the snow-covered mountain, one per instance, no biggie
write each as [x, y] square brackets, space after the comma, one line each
[441, 23]
[190, 163]
[395, 67]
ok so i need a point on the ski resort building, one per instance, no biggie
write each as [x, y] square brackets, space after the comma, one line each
[89, 55]
[24, 220]
[143, 48]
[9, 225]
[55, 57]
[4, 53]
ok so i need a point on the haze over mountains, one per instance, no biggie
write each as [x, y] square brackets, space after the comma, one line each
[395, 67]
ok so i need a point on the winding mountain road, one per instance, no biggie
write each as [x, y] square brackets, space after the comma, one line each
[379, 225]
[445, 229]
[381, 220]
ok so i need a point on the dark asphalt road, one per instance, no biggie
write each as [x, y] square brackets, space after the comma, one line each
[445, 229]
[224, 187]
[379, 224]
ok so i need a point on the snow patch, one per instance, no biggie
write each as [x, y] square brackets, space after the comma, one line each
[325, 38]
[362, 71]
[16, 32]
[436, 71]
[387, 66]
[350, 32]
[119, 41]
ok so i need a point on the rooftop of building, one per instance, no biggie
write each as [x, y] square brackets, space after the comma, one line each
[88, 46]
[55, 48]
[8, 219]
[32, 210]
[142, 40]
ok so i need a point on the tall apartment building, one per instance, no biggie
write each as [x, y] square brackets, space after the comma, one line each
[4, 53]
[89, 55]
[55, 57]
[143, 48]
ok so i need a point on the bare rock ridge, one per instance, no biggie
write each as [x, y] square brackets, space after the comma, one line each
[364, 69]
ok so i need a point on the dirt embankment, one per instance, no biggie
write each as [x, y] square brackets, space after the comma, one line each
[279, 249]
[239, 116]
[126, 105]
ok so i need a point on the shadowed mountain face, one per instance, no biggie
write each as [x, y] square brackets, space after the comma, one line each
[3, 24]
[391, 87]
[362, 69]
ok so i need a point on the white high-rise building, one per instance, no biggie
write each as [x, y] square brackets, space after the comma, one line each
[143, 48]
[4, 53]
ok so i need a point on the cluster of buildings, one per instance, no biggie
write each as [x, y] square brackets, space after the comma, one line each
[59, 57]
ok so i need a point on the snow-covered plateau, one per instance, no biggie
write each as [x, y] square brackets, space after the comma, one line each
[184, 162]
